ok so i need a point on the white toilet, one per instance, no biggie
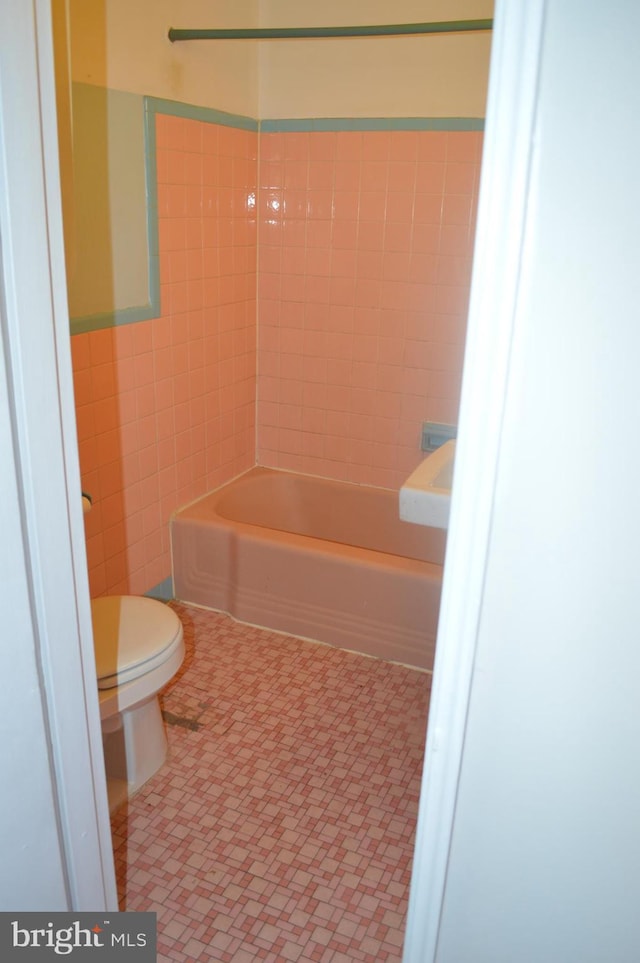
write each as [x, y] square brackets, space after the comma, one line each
[139, 646]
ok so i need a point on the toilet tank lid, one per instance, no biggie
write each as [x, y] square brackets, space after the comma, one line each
[130, 631]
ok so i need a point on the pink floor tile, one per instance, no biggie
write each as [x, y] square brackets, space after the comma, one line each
[282, 826]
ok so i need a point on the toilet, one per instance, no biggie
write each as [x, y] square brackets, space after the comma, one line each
[139, 647]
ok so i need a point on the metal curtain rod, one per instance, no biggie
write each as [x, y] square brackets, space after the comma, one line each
[289, 33]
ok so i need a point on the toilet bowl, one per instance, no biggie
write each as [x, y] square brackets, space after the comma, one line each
[139, 647]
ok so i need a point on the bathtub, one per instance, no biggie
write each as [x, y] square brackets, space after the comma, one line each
[325, 560]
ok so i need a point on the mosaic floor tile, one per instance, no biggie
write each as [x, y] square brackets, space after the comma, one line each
[282, 826]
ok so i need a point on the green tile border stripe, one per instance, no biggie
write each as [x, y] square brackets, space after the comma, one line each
[303, 124]
[163, 591]
[175, 108]
[210, 115]
[110, 319]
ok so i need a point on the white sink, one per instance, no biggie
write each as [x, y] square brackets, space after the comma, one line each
[426, 494]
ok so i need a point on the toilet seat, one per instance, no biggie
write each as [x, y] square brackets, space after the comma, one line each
[132, 635]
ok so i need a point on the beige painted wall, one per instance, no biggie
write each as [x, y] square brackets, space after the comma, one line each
[123, 44]
[430, 76]
[110, 266]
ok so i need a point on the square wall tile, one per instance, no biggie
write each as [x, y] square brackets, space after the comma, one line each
[385, 220]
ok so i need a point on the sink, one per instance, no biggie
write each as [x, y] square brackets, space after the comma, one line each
[426, 494]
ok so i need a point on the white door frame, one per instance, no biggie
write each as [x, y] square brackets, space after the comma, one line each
[34, 326]
[502, 218]
[36, 338]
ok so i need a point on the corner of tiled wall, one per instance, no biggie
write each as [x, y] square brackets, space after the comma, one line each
[363, 276]
[358, 289]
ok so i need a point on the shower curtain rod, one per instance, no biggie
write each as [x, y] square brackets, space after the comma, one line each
[287, 33]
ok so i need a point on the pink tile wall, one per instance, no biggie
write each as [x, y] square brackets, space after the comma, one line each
[166, 408]
[363, 273]
[364, 264]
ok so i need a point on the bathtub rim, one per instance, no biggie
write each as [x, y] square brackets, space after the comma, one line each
[261, 532]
